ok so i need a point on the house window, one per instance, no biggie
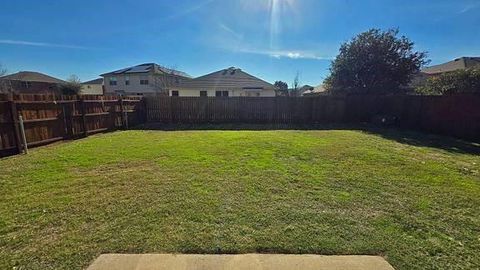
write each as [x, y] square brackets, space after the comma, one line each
[88, 86]
[203, 93]
[221, 93]
[113, 81]
[174, 93]
[26, 84]
[127, 80]
[143, 82]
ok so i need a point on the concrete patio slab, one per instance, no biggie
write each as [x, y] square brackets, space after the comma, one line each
[237, 262]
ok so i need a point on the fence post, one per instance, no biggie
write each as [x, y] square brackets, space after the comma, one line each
[68, 120]
[24, 138]
[83, 115]
[144, 111]
[16, 129]
[122, 111]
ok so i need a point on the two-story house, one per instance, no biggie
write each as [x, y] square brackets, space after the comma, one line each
[144, 79]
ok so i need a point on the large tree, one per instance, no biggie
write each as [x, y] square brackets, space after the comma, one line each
[375, 61]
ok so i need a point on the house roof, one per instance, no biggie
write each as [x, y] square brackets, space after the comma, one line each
[227, 78]
[31, 76]
[96, 81]
[316, 90]
[459, 63]
[146, 68]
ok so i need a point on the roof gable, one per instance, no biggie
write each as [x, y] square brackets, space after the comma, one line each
[31, 76]
[96, 81]
[146, 68]
[459, 63]
[227, 78]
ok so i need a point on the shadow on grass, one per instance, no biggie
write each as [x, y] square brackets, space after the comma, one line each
[416, 138]
[400, 135]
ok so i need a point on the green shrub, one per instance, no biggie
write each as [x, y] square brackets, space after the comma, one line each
[460, 81]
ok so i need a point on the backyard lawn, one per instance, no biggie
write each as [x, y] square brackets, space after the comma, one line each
[412, 198]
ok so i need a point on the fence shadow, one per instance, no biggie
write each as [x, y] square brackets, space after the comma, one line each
[403, 136]
[421, 139]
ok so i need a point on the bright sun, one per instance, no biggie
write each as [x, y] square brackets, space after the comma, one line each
[277, 8]
[276, 11]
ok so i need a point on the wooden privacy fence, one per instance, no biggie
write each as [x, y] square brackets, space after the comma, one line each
[48, 118]
[456, 115]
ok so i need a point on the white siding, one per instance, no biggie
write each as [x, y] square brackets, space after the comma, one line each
[231, 92]
[134, 86]
[92, 89]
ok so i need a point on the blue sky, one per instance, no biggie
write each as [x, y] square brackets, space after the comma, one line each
[272, 39]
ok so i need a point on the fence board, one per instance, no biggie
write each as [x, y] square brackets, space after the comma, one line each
[457, 115]
[49, 118]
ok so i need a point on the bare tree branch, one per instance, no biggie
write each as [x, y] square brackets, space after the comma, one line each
[5, 85]
[164, 80]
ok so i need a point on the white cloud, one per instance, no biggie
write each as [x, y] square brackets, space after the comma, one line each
[39, 44]
[469, 7]
[292, 54]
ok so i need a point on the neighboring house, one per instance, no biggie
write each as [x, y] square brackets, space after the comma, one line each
[29, 82]
[457, 64]
[433, 71]
[144, 79]
[230, 82]
[93, 87]
[316, 91]
[300, 91]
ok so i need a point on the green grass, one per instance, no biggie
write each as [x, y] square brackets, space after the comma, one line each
[320, 192]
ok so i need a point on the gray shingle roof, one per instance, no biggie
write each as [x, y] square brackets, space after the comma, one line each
[96, 81]
[30, 76]
[459, 63]
[145, 68]
[227, 79]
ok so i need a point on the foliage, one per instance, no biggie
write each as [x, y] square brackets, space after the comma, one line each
[318, 192]
[281, 88]
[459, 81]
[281, 85]
[374, 62]
[72, 86]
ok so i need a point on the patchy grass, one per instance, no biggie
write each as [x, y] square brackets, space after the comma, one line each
[323, 192]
